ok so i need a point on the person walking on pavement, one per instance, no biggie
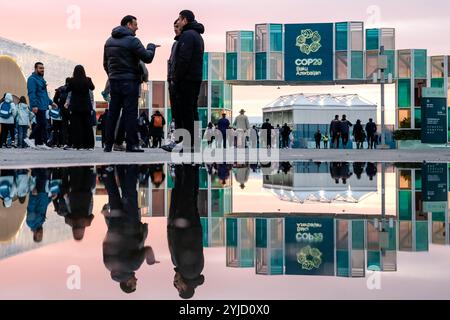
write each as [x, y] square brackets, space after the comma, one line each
[171, 69]
[325, 140]
[266, 129]
[101, 125]
[187, 76]
[157, 124]
[60, 99]
[285, 133]
[122, 55]
[23, 119]
[39, 103]
[358, 133]
[242, 125]
[345, 130]
[318, 138]
[223, 125]
[335, 132]
[8, 112]
[371, 130]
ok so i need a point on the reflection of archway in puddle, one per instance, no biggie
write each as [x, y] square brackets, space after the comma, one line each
[11, 221]
[12, 79]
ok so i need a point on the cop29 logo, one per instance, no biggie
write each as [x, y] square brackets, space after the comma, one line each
[308, 41]
[309, 258]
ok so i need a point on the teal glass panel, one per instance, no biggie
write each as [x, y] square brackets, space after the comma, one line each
[203, 117]
[276, 37]
[422, 236]
[437, 82]
[343, 268]
[404, 93]
[232, 232]
[372, 39]
[358, 235]
[217, 94]
[392, 238]
[247, 41]
[341, 36]
[420, 64]
[261, 233]
[404, 204]
[438, 216]
[170, 182]
[232, 65]
[221, 205]
[418, 117]
[276, 261]
[204, 222]
[203, 178]
[391, 63]
[448, 120]
[357, 64]
[261, 66]
[169, 115]
[227, 96]
[205, 66]
[418, 182]
[373, 261]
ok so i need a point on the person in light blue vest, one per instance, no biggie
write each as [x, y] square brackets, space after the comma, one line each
[23, 119]
[8, 111]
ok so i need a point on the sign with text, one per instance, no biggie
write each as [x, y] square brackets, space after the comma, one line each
[434, 187]
[309, 52]
[309, 243]
[434, 116]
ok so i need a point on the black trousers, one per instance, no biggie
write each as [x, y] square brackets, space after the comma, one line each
[124, 96]
[185, 107]
[6, 128]
[81, 131]
[57, 129]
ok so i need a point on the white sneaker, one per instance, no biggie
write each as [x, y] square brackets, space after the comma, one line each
[30, 143]
[43, 147]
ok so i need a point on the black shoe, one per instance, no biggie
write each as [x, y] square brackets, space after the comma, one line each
[107, 149]
[135, 149]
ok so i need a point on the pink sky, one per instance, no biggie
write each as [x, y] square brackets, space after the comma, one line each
[419, 24]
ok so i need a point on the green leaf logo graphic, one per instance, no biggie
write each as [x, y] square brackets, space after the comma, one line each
[308, 41]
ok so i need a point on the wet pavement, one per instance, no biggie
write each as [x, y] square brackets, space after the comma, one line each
[281, 230]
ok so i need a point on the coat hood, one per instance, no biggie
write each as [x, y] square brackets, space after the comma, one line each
[120, 32]
[194, 25]
[8, 98]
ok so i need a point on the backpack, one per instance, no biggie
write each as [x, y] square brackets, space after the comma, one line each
[158, 122]
[5, 110]
[54, 113]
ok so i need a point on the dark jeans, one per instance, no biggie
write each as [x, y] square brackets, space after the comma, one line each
[345, 137]
[335, 141]
[57, 136]
[6, 129]
[65, 129]
[317, 144]
[81, 130]
[124, 96]
[285, 142]
[185, 107]
[371, 141]
[22, 135]
[39, 133]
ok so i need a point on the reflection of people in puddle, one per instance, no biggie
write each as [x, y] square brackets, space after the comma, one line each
[358, 169]
[157, 174]
[184, 232]
[7, 187]
[124, 248]
[371, 170]
[38, 203]
[80, 200]
[242, 174]
[340, 170]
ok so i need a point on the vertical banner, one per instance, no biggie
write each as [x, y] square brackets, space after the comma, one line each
[309, 52]
[434, 116]
[309, 245]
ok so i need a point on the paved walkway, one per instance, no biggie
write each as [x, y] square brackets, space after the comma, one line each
[16, 158]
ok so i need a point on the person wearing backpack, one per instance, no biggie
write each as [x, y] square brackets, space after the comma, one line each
[157, 128]
[8, 112]
[60, 99]
[23, 118]
[55, 115]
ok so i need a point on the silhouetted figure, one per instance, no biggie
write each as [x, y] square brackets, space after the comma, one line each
[358, 169]
[371, 170]
[38, 203]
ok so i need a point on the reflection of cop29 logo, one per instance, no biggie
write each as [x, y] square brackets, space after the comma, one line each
[309, 258]
[309, 41]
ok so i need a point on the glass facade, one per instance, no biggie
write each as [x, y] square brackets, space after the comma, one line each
[269, 52]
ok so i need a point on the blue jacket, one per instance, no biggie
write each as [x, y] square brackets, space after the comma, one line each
[223, 125]
[37, 92]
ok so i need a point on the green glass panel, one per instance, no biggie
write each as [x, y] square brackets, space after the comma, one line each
[437, 82]
[373, 260]
[420, 64]
[232, 66]
[404, 204]
[372, 39]
[392, 238]
[247, 257]
[342, 263]
[220, 202]
[203, 178]
[232, 232]
[342, 36]
[276, 37]
[203, 117]
[247, 41]
[261, 66]
[204, 222]
[418, 182]
[438, 216]
[404, 93]
[418, 117]
[217, 94]
[261, 233]
[170, 182]
[169, 115]
[391, 62]
[276, 261]
[358, 235]
[422, 236]
[205, 66]
[357, 64]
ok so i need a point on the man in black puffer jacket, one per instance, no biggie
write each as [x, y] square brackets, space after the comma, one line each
[122, 56]
[187, 75]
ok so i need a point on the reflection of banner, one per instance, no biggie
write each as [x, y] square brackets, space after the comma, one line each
[309, 246]
[309, 52]
[434, 116]
[434, 187]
